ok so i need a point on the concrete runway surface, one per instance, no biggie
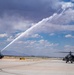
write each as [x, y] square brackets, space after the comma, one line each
[35, 67]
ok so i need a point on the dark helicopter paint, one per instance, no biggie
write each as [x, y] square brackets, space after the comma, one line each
[1, 56]
[69, 57]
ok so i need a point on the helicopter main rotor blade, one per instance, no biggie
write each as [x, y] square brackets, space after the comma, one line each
[66, 52]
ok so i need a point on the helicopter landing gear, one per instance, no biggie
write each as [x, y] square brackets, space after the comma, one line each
[71, 61]
[67, 61]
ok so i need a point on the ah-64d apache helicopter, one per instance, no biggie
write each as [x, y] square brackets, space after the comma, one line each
[69, 57]
[1, 56]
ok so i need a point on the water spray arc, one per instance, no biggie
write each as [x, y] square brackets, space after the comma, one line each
[27, 32]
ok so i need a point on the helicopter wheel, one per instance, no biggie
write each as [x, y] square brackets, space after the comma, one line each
[66, 61]
[71, 61]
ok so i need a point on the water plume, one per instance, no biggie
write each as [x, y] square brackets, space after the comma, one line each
[28, 31]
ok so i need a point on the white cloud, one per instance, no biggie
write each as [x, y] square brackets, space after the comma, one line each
[52, 34]
[36, 36]
[11, 24]
[66, 5]
[69, 36]
[51, 28]
[65, 19]
[3, 35]
[69, 48]
[40, 43]
[45, 43]
[10, 39]
[33, 47]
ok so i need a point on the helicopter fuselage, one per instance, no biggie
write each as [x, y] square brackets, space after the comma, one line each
[69, 58]
[1, 56]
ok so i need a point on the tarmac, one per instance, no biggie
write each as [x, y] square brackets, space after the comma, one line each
[35, 67]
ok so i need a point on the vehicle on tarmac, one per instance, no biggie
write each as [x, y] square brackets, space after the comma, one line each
[1, 56]
[69, 57]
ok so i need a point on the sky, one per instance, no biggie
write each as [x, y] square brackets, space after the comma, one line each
[36, 27]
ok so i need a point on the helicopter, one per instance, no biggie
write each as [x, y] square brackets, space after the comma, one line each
[1, 56]
[69, 57]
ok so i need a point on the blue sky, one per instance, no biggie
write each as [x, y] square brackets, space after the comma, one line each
[47, 27]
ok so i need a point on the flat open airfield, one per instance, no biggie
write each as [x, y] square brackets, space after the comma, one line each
[35, 66]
